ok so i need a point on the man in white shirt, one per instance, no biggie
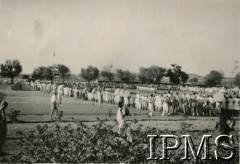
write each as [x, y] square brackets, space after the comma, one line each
[54, 106]
[150, 105]
[210, 100]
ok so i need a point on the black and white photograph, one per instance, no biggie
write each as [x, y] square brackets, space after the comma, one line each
[120, 81]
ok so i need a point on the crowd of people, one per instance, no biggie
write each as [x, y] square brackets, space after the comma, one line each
[188, 100]
[195, 101]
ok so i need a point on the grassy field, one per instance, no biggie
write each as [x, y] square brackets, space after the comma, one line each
[35, 109]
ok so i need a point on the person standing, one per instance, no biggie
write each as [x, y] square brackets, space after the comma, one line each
[165, 105]
[236, 103]
[211, 107]
[76, 92]
[160, 102]
[193, 101]
[230, 103]
[107, 97]
[138, 101]
[145, 102]
[156, 102]
[3, 126]
[59, 96]
[226, 124]
[54, 105]
[120, 117]
[100, 97]
[132, 100]
[205, 102]
[150, 104]
[126, 101]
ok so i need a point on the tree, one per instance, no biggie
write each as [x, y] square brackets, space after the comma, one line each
[38, 72]
[183, 77]
[213, 78]
[89, 73]
[157, 73]
[48, 74]
[62, 70]
[11, 68]
[128, 76]
[107, 72]
[152, 74]
[125, 75]
[176, 74]
[119, 74]
[237, 79]
[193, 80]
[43, 73]
[143, 75]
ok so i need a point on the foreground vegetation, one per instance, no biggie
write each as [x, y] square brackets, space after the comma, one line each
[99, 143]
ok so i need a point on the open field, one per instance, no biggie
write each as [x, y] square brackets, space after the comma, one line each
[35, 109]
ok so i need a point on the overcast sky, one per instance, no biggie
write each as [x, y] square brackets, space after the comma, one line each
[199, 35]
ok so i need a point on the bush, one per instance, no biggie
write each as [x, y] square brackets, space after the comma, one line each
[96, 144]
[13, 115]
[57, 115]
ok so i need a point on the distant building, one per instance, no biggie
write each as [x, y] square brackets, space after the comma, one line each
[228, 81]
[25, 76]
[165, 80]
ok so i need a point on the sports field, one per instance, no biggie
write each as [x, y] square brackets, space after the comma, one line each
[35, 110]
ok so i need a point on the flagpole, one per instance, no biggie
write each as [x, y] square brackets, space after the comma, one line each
[53, 67]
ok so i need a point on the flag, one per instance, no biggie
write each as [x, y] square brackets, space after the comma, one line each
[54, 54]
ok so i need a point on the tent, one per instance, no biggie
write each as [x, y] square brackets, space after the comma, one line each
[20, 85]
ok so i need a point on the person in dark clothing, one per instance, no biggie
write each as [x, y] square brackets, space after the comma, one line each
[226, 123]
[3, 126]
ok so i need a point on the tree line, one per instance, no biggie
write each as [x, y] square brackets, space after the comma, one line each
[148, 75]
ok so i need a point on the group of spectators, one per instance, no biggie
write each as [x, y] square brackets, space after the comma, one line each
[195, 101]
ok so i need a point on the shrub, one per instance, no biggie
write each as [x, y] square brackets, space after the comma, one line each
[13, 115]
[95, 144]
[58, 115]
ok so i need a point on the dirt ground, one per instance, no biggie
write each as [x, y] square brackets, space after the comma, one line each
[35, 109]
